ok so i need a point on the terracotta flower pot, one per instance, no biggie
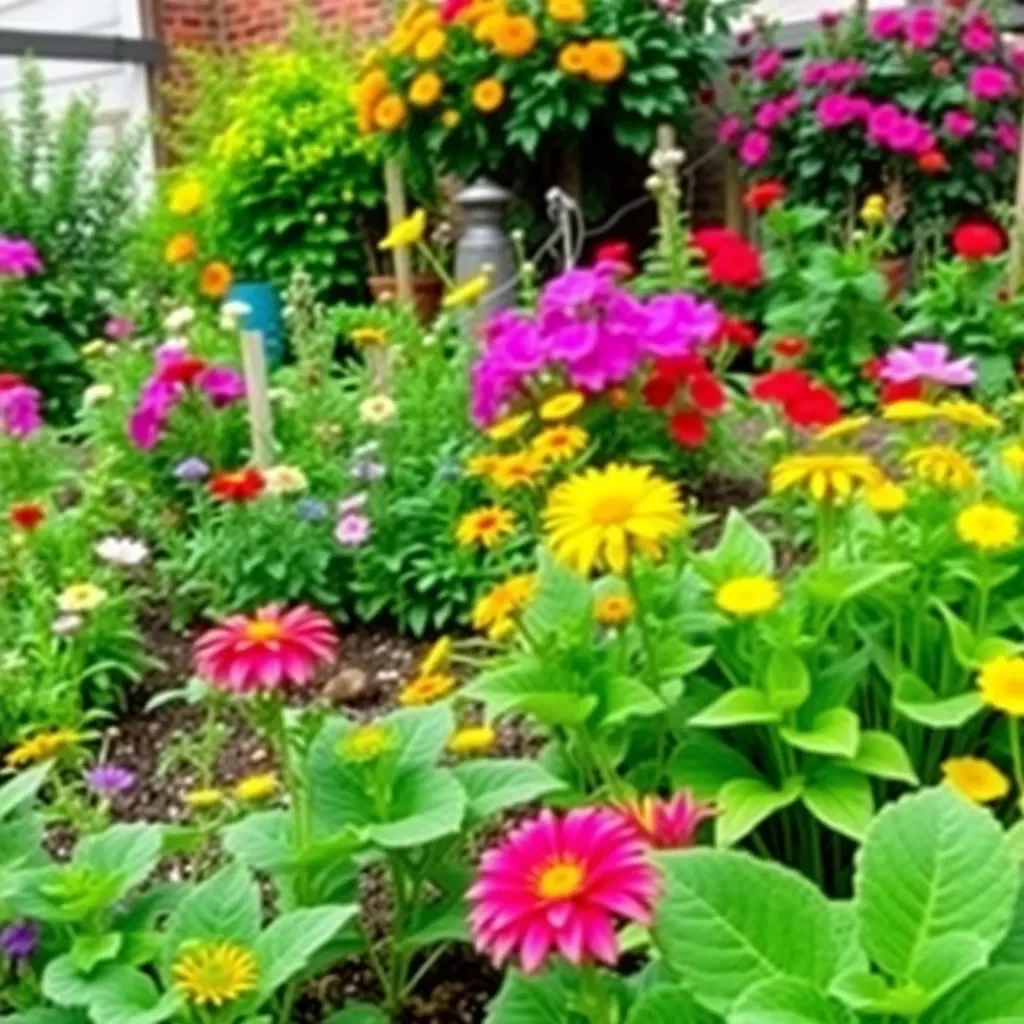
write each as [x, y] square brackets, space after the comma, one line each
[426, 294]
[896, 271]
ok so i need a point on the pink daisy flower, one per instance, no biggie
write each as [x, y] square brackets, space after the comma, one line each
[273, 649]
[559, 884]
[667, 824]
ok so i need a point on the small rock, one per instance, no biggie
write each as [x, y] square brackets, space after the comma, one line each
[347, 685]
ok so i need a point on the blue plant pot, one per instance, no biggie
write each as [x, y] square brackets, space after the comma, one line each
[264, 316]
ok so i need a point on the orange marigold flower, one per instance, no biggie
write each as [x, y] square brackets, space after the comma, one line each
[180, 249]
[488, 95]
[606, 62]
[515, 37]
[426, 89]
[390, 113]
[215, 280]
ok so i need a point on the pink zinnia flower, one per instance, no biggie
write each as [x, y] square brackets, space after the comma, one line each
[1007, 136]
[20, 414]
[222, 385]
[353, 530]
[928, 362]
[985, 159]
[559, 884]
[729, 129]
[767, 116]
[667, 824]
[923, 27]
[887, 25]
[834, 110]
[275, 648]
[989, 82]
[755, 148]
[766, 64]
[18, 257]
[959, 123]
[977, 36]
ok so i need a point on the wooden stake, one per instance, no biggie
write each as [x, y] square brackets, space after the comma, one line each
[397, 212]
[1017, 233]
[254, 365]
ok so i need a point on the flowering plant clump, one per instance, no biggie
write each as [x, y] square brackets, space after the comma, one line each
[920, 105]
[466, 82]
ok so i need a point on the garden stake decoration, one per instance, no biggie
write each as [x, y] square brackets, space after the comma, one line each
[254, 363]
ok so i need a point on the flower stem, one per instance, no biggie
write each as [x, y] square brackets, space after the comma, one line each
[1013, 723]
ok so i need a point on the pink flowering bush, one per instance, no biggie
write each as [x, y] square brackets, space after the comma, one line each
[920, 104]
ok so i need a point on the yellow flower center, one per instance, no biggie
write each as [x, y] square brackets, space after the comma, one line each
[611, 509]
[367, 742]
[261, 631]
[561, 880]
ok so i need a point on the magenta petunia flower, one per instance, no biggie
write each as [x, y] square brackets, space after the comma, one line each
[958, 123]
[729, 129]
[886, 24]
[766, 64]
[20, 412]
[272, 650]
[978, 35]
[767, 116]
[667, 824]
[834, 110]
[755, 148]
[679, 325]
[923, 28]
[18, 258]
[560, 885]
[109, 780]
[929, 362]
[1007, 135]
[989, 82]
[221, 385]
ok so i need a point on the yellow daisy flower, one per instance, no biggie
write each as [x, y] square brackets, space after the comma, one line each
[599, 517]
[485, 526]
[826, 476]
[406, 232]
[747, 596]
[204, 799]
[968, 414]
[254, 789]
[475, 739]
[509, 427]
[520, 469]
[482, 465]
[368, 337]
[561, 407]
[42, 746]
[843, 428]
[438, 657]
[214, 973]
[81, 597]
[469, 293]
[940, 464]
[988, 527]
[1001, 682]
[975, 778]
[558, 444]
[1013, 456]
[614, 609]
[888, 497]
[425, 690]
[494, 611]
[187, 198]
[910, 410]
[285, 480]
[365, 744]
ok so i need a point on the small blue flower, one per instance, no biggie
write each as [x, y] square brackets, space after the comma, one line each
[192, 469]
[312, 510]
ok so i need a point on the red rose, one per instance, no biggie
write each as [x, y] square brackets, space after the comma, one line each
[933, 162]
[659, 391]
[26, 515]
[706, 393]
[906, 391]
[780, 386]
[816, 406]
[689, 428]
[737, 332]
[790, 348]
[978, 240]
[8, 381]
[183, 371]
[242, 485]
[619, 253]
[764, 195]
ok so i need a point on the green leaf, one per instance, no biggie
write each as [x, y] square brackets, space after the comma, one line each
[742, 551]
[22, 789]
[841, 798]
[835, 733]
[495, 785]
[741, 706]
[542, 999]
[993, 996]
[744, 803]
[128, 996]
[127, 852]
[225, 906]
[837, 584]
[787, 680]
[718, 925]
[293, 939]
[426, 804]
[704, 764]
[668, 1004]
[946, 865]
[261, 841]
[1011, 949]
[883, 756]
[914, 699]
[626, 698]
[89, 950]
[64, 984]
[784, 1000]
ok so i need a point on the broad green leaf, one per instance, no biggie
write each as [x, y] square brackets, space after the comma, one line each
[224, 907]
[704, 764]
[542, 999]
[840, 583]
[526, 686]
[64, 984]
[291, 941]
[22, 789]
[127, 852]
[834, 733]
[872, 994]
[261, 841]
[783, 1000]
[883, 756]
[915, 700]
[128, 996]
[741, 551]
[1011, 949]
[563, 596]
[496, 785]
[787, 680]
[46, 1017]
[669, 1004]
[426, 804]
[719, 928]
[841, 798]
[946, 961]
[626, 698]
[844, 924]
[993, 996]
[444, 921]
[741, 706]
[89, 950]
[946, 865]
[744, 803]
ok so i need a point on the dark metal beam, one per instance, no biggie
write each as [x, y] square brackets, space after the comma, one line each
[67, 46]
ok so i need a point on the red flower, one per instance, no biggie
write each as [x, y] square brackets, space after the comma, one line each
[736, 332]
[780, 386]
[619, 253]
[816, 406]
[731, 259]
[764, 195]
[26, 515]
[659, 391]
[905, 391]
[9, 381]
[706, 393]
[183, 371]
[689, 428]
[872, 369]
[933, 162]
[978, 240]
[790, 348]
[242, 485]
[679, 369]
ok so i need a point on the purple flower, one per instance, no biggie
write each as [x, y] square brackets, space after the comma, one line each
[192, 469]
[729, 129]
[766, 64]
[222, 385]
[887, 25]
[989, 82]
[986, 159]
[755, 148]
[679, 324]
[923, 28]
[355, 503]
[19, 940]
[18, 258]
[353, 531]
[119, 328]
[108, 780]
[928, 361]
[368, 470]
[312, 510]
[959, 123]
[20, 415]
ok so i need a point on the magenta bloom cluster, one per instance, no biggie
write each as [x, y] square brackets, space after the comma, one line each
[19, 257]
[178, 374]
[20, 409]
[591, 331]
